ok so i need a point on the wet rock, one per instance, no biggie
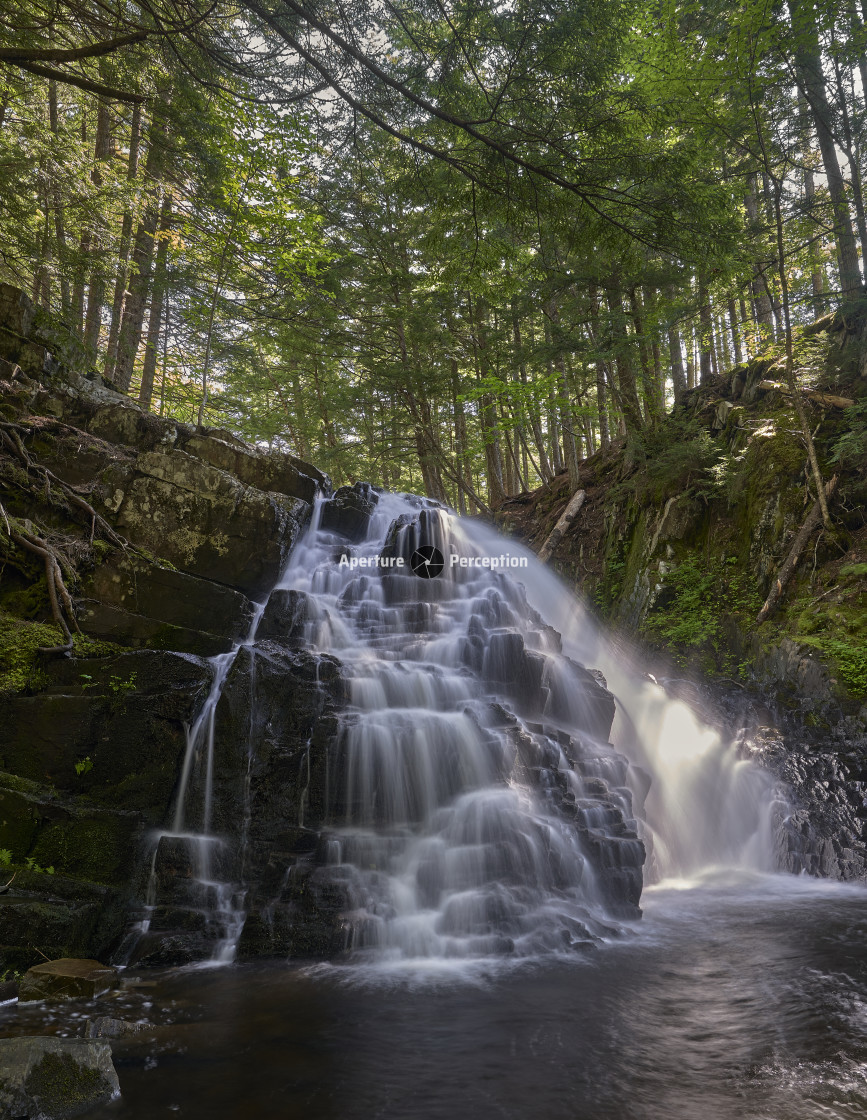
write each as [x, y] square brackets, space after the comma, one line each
[105, 709]
[68, 978]
[348, 513]
[127, 599]
[172, 950]
[54, 1078]
[284, 617]
[8, 990]
[106, 1027]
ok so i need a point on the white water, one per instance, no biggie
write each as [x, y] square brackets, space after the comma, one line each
[445, 846]
[708, 808]
[473, 810]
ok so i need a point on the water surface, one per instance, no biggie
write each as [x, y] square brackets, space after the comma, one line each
[727, 1001]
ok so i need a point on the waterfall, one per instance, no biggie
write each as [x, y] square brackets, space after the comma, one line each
[474, 799]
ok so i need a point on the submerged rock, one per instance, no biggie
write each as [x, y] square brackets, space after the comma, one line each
[54, 1078]
[67, 978]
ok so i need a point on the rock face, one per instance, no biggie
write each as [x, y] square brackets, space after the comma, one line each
[206, 522]
[54, 1078]
[68, 978]
[91, 746]
[131, 600]
[268, 808]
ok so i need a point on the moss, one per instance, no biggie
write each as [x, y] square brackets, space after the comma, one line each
[95, 849]
[19, 658]
[698, 595]
[83, 646]
[20, 640]
[64, 1087]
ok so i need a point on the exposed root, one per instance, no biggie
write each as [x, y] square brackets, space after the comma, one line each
[11, 440]
[58, 594]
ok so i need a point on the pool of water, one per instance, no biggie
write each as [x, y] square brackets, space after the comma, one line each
[728, 1000]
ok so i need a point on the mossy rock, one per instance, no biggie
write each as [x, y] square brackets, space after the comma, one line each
[55, 1077]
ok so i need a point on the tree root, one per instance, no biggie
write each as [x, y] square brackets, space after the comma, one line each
[11, 440]
[58, 593]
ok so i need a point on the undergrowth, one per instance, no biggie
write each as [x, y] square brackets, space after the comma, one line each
[697, 595]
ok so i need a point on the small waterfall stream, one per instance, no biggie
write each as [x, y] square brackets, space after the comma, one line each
[476, 799]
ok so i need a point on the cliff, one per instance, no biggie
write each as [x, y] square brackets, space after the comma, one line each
[149, 541]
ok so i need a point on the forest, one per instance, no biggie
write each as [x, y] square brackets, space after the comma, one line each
[450, 246]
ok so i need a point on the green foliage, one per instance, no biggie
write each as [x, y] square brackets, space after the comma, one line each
[29, 863]
[84, 766]
[850, 449]
[851, 661]
[32, 865]
[697, 595]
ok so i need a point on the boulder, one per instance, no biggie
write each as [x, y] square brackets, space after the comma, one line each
[48, 1078]
[283, 474]
[348, 513]
[106, 1027]
[68, 978]
[16, 311]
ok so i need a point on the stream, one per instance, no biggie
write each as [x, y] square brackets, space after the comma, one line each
[727, 1000]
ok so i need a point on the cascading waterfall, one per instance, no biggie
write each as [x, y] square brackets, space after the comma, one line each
[706, 807]
[473, 803]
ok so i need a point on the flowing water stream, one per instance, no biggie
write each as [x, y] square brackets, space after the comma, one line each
[475, 804]
[487, 837]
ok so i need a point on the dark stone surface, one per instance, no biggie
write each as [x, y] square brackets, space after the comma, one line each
[284, 617]
[133, 601]
[348, 513]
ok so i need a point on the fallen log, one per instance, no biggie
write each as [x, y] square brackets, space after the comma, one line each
[813, 394]
[559, 531]
[813, 518]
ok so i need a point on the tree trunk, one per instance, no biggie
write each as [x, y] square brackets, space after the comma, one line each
[627, 391]
[535, 424]
[488, 413]
[129, 336]
[706, 340]
[157, 296]
[736, 334]
[96, 290]
[57, 207]
[647, 384]
[808, 67]
[564, 407]
[123, 248]
[761, 302]
[561, 528]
